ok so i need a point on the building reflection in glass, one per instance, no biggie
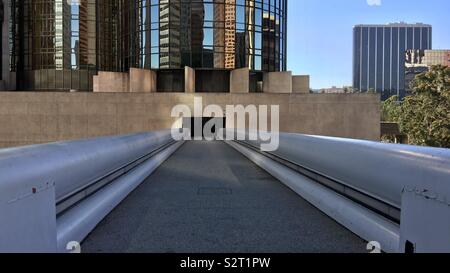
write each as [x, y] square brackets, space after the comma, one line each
[60, 44]
[55, 42]
[219, 34]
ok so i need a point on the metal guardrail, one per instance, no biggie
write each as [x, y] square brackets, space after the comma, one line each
[387, 210]
[93, 186]
[55, 193]
[376, 177]
[376, 169]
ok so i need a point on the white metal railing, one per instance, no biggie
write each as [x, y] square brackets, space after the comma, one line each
[397, 195]
[56, 193]
[396, 186]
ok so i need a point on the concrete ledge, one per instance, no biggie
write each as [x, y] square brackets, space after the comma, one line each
[189, 80]
[142, 80]
[277, 82]
[95, 83]
[300, 84]
[240, 80]
[112, 82]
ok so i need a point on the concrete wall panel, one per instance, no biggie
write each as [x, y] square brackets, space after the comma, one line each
[300, 84]
[112, 82]
[142, 80]
[189, 80]
[39, 117]
[277, 82]
[240, 81]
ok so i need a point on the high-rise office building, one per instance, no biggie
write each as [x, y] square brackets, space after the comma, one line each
[379, 55]
[60, 44]
[169, 33]
[87, 41]
[205, 34]
[230, 33]
[55, 42]
[224, 34]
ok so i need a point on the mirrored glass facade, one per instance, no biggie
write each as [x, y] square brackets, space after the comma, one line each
[60, 44]
[379, 55]
[220, 34]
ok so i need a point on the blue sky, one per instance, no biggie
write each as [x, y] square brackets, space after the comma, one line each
[320, 32]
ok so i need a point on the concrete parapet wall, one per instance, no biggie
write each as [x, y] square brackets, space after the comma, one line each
[95, 83]
[277, 82]
[240, 80]
[300, 84]
[189, 80]
[142, 80]
[39, 117]
[112, 82]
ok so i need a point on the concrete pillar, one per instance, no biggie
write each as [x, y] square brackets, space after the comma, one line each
[95, 83]
[277, 82]
[300, 84]
[112, 82]
[189, 80]
[240, 80]
[142, 80]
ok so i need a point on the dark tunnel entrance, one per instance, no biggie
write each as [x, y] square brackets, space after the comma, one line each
[215, 123]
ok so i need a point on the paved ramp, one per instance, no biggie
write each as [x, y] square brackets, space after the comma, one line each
[209, 198]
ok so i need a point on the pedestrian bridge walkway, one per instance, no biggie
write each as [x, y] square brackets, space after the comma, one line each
[149, 193]
[207, 197]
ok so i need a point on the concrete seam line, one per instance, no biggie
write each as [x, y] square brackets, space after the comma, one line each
[361, 221]
[79, 221]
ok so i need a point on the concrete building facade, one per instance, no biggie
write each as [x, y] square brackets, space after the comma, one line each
[420, 61]
[427, 57]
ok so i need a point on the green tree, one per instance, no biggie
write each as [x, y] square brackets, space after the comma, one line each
[391, 109]
[425, 115]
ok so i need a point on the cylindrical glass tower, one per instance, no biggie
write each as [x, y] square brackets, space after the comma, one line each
[60, 44]
[220, 34]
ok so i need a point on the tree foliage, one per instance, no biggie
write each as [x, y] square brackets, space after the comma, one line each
[391, 109]
[425, 115]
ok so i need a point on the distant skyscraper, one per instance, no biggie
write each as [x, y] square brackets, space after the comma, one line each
[169, 34]
[379, 55]
[62, 58]
[87, 35]
[219, 33]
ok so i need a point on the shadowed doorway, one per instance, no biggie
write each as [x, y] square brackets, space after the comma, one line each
[214, 123]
